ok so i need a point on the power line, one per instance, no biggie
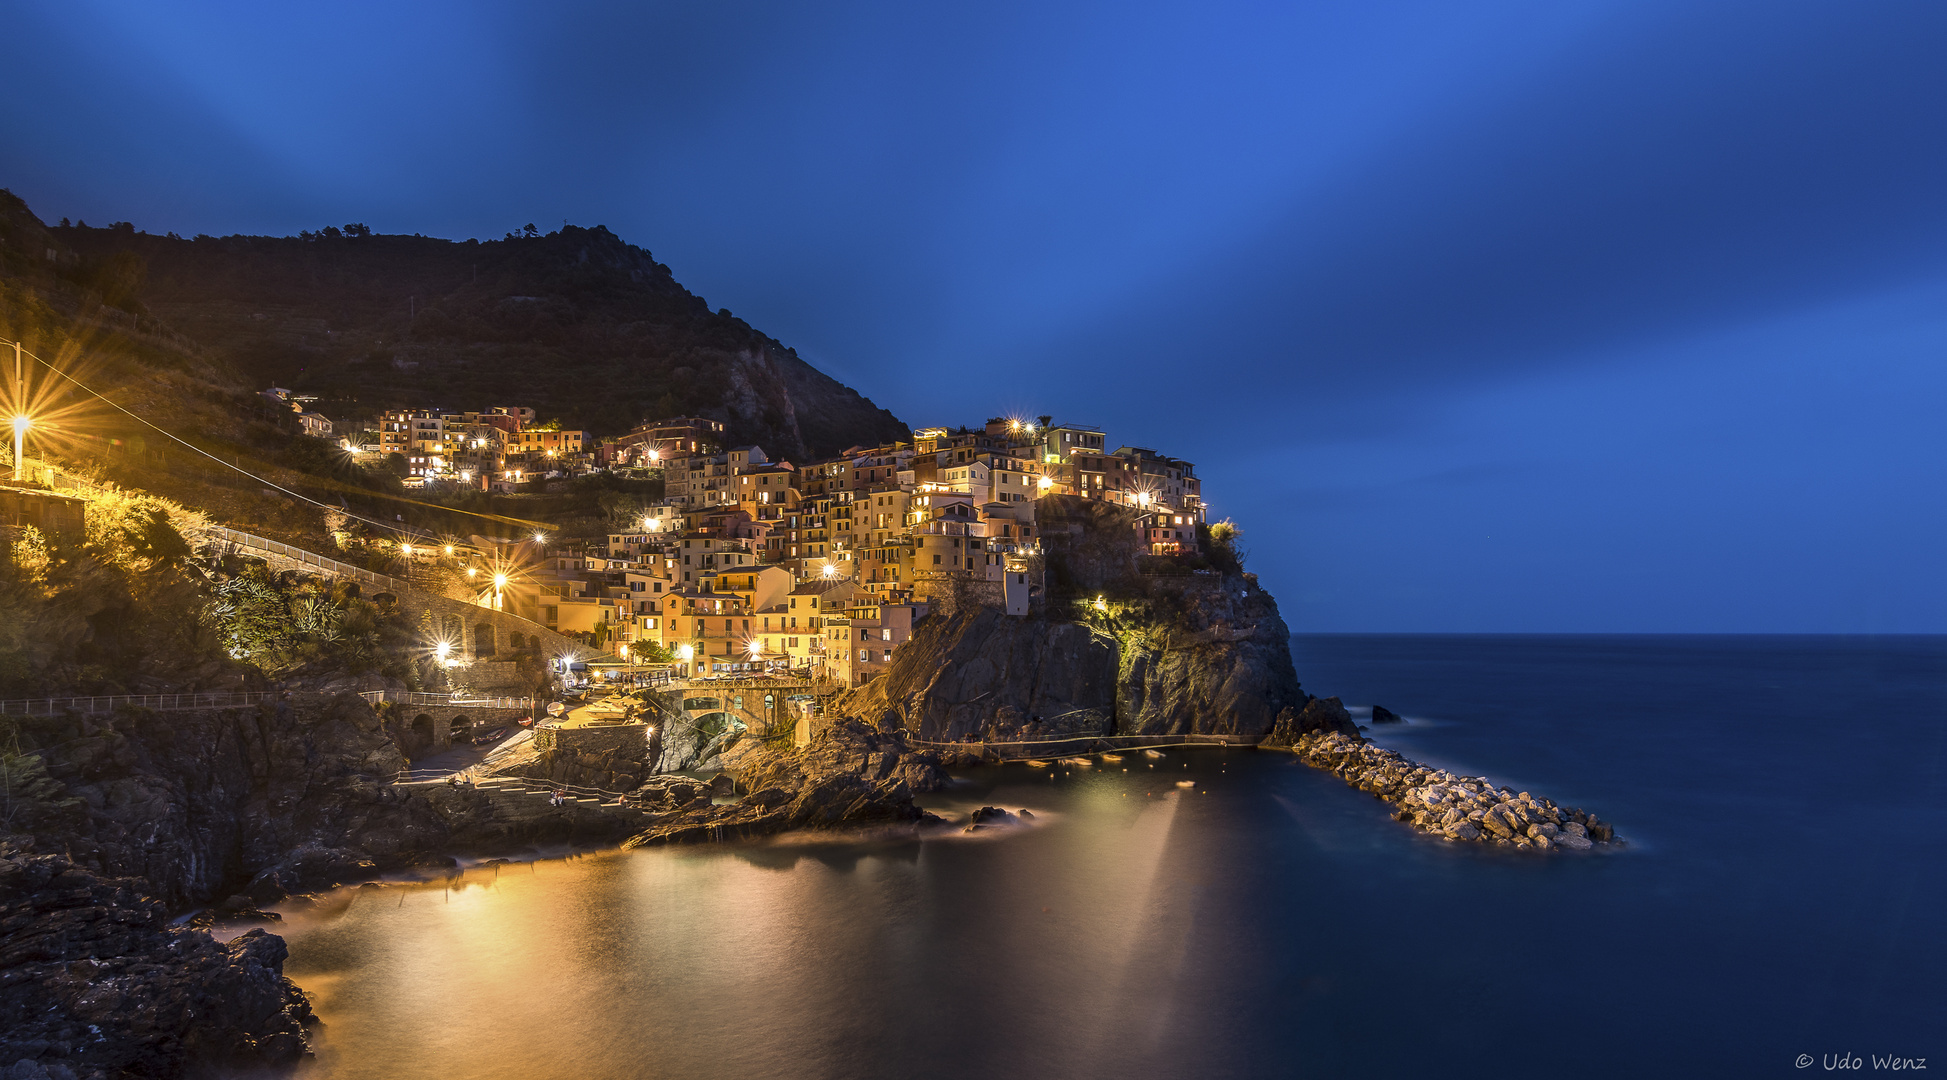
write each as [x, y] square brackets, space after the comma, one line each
[238, 468]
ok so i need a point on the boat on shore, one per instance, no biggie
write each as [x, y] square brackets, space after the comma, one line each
[1111, 757]
[1077, 761]
[1152, 753]
[1036, 763]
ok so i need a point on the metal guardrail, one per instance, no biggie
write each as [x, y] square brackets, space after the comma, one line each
[253, 542]
[56, 706]
[412, 697]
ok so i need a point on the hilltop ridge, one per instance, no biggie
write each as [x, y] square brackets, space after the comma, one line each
[577, 323]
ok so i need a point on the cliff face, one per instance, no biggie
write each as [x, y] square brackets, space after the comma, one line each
[286, 798]
[1201, 655]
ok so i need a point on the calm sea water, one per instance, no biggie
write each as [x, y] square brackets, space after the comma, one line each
[1783, 897]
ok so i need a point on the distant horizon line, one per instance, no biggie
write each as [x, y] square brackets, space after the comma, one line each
[1625, 633]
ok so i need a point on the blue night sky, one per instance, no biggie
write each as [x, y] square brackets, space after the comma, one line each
[1489, 316]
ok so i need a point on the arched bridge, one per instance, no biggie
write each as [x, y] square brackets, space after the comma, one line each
[429, 723]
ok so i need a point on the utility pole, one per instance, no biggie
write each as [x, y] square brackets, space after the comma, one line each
[20, 415]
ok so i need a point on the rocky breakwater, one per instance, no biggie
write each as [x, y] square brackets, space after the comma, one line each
[849, 775]
[1459, 808]
[94, 983]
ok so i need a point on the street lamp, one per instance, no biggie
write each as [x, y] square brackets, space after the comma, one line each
[21, 423]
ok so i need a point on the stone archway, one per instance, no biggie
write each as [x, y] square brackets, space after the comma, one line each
[483, 640]
[419, 734]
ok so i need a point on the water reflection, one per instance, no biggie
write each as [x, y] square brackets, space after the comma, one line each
[807, 956]
[1269, 921]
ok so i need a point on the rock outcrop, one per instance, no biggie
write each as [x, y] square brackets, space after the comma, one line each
[295, 796]
[1318, 714]
[848, 775]
[1462, 808]
[1201, 655]
[94, 983]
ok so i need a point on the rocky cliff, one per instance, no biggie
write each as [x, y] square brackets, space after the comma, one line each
[95, 983]
[293, 796]
[109, 823]
[1205, 654]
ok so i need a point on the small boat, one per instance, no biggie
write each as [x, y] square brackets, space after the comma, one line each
[1111, 757]
[493, 736]
[1186, 783]
[1034, 763]
[1152, 753]
[527, 721]
[1078, 761]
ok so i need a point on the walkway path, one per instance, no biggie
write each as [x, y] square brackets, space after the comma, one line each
[160, 702]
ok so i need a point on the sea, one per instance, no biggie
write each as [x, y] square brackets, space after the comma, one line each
[1780, 908]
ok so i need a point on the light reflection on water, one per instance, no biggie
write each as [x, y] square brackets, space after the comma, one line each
[1268, 922]
[802, 957]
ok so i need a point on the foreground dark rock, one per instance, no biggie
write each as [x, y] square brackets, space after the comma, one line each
[1382, 715]
[1467, 808]
[848, 776]
[94, 983]
[160, 812]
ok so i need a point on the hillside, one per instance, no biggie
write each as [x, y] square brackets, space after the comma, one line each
[578, 324]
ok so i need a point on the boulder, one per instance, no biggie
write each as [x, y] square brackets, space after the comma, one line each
[1382, 715]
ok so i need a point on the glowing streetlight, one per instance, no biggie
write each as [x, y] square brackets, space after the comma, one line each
[449, 550]
[1047, 482]
[405, 549]
[830, 571]
[1142, 498]
[472, 570]
[440, 649]
[500, 582]
[756, 649]
[655, 455]
[540, 537]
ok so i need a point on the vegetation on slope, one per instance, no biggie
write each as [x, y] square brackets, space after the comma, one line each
[577, 324]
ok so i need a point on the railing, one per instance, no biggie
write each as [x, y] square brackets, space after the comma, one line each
[253, 542]
[1112, 742]
[408, 697]
[55, 706]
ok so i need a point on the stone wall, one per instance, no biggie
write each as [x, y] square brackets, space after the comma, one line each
[593, 740]
[482, 633]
